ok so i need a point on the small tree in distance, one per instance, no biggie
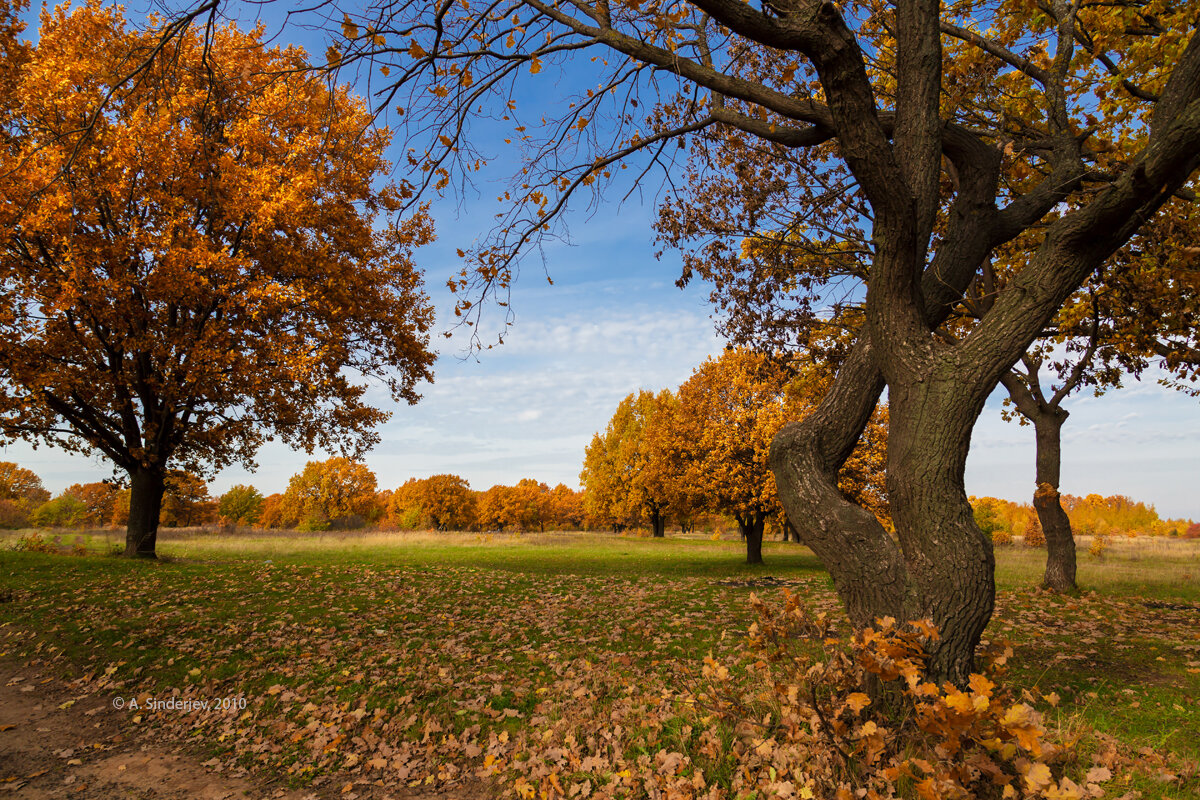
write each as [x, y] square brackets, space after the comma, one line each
[240, 505]
[336, 492]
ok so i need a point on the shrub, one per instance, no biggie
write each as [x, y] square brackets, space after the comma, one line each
[1034, 536]
[35, 543]
[1099, 545]
[64, 511]
[1001, 536]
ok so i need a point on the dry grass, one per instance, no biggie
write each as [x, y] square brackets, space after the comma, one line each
[1139, 565]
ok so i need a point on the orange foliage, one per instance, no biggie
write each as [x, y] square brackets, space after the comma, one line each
[21, 492]
[98, 500]
[186, 501]
[821, 727]
[441, 502]
[337, 492]
[227, 274]
[1090, 515]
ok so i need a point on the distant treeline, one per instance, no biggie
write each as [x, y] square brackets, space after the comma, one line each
[1093, 515]
[343, 494]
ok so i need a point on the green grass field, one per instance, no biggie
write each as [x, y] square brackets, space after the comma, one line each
[424, 657]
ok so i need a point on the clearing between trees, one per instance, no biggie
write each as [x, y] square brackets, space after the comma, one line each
[563, 665]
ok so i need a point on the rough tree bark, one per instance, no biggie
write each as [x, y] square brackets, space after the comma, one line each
[146, 487]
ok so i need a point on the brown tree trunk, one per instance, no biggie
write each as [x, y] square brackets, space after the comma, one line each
[658, 525]
[945, 570]
[1048, 416]
[949, 562]
[752, 531]
[145, 502]
[1056, 526]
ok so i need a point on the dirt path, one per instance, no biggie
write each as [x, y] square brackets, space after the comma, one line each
[55, 744]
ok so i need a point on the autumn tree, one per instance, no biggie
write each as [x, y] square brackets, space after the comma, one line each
[493, 508]
[97, 498]
[21, 492]
[241, 505]
[403, 509]
[623, 475]
[567, 507]
[449, 503]
[441, 502]
[728, 412]
[64, 511]
[528, 505]
[336, 492]
[193, 256]
[929, 135]
[273, 513]
[186, 500]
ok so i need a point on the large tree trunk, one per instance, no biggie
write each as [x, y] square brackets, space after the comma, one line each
[145, 502]
[949, 562]
[943, 566]
[943, 570]
[658, 525]
[751, 526]
[1060, 542]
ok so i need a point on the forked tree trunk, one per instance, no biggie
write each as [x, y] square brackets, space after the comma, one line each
[1056, 526]
[751, 526]
[945, 570]
[145, 503]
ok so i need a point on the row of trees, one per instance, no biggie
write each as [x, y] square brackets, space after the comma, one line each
[705, 448]
[24, 501]
[336, 493]
[1091, 515]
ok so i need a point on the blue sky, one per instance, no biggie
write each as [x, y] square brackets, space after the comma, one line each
[614, 322]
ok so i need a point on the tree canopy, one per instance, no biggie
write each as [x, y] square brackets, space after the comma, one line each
[919, 139]
[198, 254]
[335, 492]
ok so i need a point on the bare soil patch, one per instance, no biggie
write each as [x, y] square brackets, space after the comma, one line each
[58, 744]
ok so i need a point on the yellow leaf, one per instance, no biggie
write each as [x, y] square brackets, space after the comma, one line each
[858, 701]
[1038, 777]
[981, 685]
[535, 66]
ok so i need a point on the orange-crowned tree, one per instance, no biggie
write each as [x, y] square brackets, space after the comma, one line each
[192, 260]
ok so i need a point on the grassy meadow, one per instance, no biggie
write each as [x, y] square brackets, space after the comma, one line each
[555, 664]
